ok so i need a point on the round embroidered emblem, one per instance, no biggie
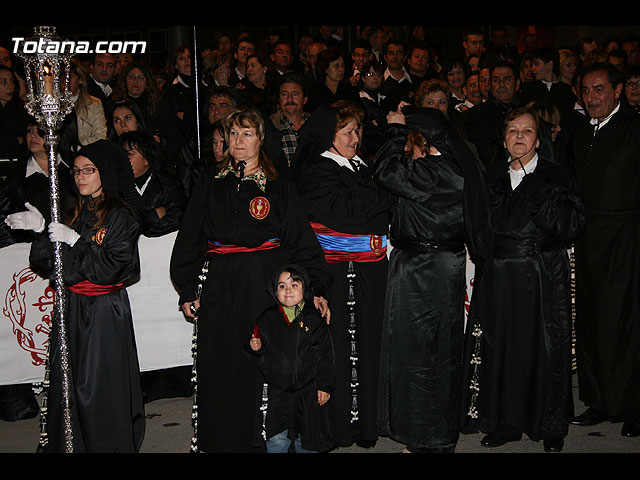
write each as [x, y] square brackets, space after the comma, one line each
[259, 208]
[99, 236]
[375, 243]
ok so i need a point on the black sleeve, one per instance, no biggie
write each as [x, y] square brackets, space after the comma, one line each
[190, 247]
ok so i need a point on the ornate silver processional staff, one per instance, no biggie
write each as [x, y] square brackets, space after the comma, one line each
[48, 72]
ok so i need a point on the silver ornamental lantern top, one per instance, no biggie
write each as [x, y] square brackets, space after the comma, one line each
[47, 68]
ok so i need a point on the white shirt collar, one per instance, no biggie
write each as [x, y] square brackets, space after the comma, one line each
[516, 176]
[547, 84]
[33, 167]
[364, 94]
[179, 79]
[342, 161]
[594, 121]
[144, 186]
[405, 75]
[105, 88]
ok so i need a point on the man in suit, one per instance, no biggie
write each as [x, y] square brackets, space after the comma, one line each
[102, 71]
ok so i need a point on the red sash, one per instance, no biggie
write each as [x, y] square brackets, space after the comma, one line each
[215, 247]
[88, 288]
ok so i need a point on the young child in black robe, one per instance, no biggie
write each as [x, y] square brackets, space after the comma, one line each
[295, 354]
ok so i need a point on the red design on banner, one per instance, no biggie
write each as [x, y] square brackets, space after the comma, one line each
[259, 208]
[32, 333]
[467, 298]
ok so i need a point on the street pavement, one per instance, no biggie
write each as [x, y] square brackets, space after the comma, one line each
[169, 430]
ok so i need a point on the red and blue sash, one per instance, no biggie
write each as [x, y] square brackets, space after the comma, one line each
[344, 247]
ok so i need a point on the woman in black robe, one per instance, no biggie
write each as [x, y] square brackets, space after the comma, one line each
[518, 356]
[100, 255]
[350, 215]
[162, 201]
[442, 205]
[245, 221]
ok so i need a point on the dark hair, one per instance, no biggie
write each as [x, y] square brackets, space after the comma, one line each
[131, 105]
[281, 42]
[172, 70]
[450, 65]
[295, 274]
[361, 43]
[377, 67]
[548, 54]
[395, 41]
[104, 203]
[614, 75]
[619, 53]
[327, 56]
[631, 71]
[472, 31]
[151, 88]
[299, 274]
[221, 91]
[148, 147]
[418, 46]
[293, 77]
[263, 59]
[505, 64]
[16, 90]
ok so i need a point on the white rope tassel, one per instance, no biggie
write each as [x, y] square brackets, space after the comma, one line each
[44, 409]
[194, 370]
[263, 409]
[475, 361]
[351, 305]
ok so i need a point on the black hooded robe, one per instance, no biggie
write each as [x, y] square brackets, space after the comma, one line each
[296, 360]
[106, 397]
[349, 203]
[523, 337]
[233, 294]
[422, 339]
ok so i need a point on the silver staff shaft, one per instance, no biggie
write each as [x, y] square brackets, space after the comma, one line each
[51, 142]
[197, 88]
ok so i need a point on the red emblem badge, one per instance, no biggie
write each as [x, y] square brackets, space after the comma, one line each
[259, 208]
[99, 236]
[375, 243]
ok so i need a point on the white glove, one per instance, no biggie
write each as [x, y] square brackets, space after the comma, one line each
[30, 219]
[59, 232]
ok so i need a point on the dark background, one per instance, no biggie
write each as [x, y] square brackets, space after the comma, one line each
[162, 39]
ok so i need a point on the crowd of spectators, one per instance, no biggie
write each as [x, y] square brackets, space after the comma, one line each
[381, 67]
[172, 131]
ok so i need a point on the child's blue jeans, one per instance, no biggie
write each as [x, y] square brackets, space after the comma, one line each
[280, 444]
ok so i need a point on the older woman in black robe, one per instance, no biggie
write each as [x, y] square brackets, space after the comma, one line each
[350, 215]
[442, 205]
[519, 351]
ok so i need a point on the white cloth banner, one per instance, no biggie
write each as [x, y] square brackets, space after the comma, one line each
[163, 336]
